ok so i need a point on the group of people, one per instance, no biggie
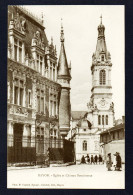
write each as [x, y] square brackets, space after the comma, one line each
[91, 160]
[116, 163]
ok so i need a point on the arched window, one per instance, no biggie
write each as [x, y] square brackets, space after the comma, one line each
[102, 58]
[102, 119]
[102, 77]
[106, 119]
[84, 145]
[99, 119]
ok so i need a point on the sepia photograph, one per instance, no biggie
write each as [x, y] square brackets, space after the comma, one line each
[66, 97]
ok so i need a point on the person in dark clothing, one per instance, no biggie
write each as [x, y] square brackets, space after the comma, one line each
[95, 159]
[118, 161]
[100, 159]
[92, 159]
[83, 160]
[88, 158]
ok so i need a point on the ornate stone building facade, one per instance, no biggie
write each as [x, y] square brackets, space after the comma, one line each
[33, 90]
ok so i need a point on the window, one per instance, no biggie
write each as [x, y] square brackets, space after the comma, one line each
[102, 77]
[42, 104]
[29, 98]
[54, 108]
[39, 63]
[99, 119]
[102, 119]
[84, 145]
[102, 58]
[17, 50]
[40, 101]
[18, 92]
[21, 97]
[106, 119]
[16, 95]
[40, 140]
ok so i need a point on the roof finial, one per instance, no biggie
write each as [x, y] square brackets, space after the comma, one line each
[101, 18]
[51, 40]
[62, 32]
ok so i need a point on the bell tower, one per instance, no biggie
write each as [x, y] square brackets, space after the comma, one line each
[101, 107]
[64, 77]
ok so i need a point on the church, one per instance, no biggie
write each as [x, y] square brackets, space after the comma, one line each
[86, 129]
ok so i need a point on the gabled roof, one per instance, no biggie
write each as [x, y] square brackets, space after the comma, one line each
[117, 127]
[76, 115]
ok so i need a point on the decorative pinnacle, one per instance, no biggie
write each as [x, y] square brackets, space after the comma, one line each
[62, 32]
[101, 18]
[51, 40]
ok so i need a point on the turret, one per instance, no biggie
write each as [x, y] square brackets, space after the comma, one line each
[63, 75]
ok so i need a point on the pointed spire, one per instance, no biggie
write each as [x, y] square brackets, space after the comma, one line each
[62, 32]
[101, 18]
[63, 69]
[101, 43]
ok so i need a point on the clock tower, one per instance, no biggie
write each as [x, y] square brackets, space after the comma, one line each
[101, 107]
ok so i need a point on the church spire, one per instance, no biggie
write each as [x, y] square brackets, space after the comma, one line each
[63, 69]
[101, 43]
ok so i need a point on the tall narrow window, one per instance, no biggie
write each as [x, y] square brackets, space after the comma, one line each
[41, 64]
[54, 108]
[102, 119]
[102, 58]
[102, 77]
[37, 62]
[106, 119]
[84, 145]
[38, 103]
[42, 104]
[21, 97]
[29, 98]
[20, 51]
[16, 95]
[99, 119]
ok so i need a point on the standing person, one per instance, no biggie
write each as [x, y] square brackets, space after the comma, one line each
[95, 159]
[109, 162]
[118, 161]
[114, 162]
[83, 160]
[100, 159]
[88, 158]
[92, 160]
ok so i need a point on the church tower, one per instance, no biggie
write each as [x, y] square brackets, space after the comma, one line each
[101, 107]
[64, 78]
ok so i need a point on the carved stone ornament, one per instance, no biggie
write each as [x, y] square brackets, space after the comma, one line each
[20, 23]
[37, 40]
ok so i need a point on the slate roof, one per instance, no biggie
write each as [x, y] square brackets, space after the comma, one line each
[117, 127]
[78, 114]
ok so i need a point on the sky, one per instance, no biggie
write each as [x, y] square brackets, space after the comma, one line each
[80, 24]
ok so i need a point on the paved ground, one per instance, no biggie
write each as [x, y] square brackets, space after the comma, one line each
[74, 176]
